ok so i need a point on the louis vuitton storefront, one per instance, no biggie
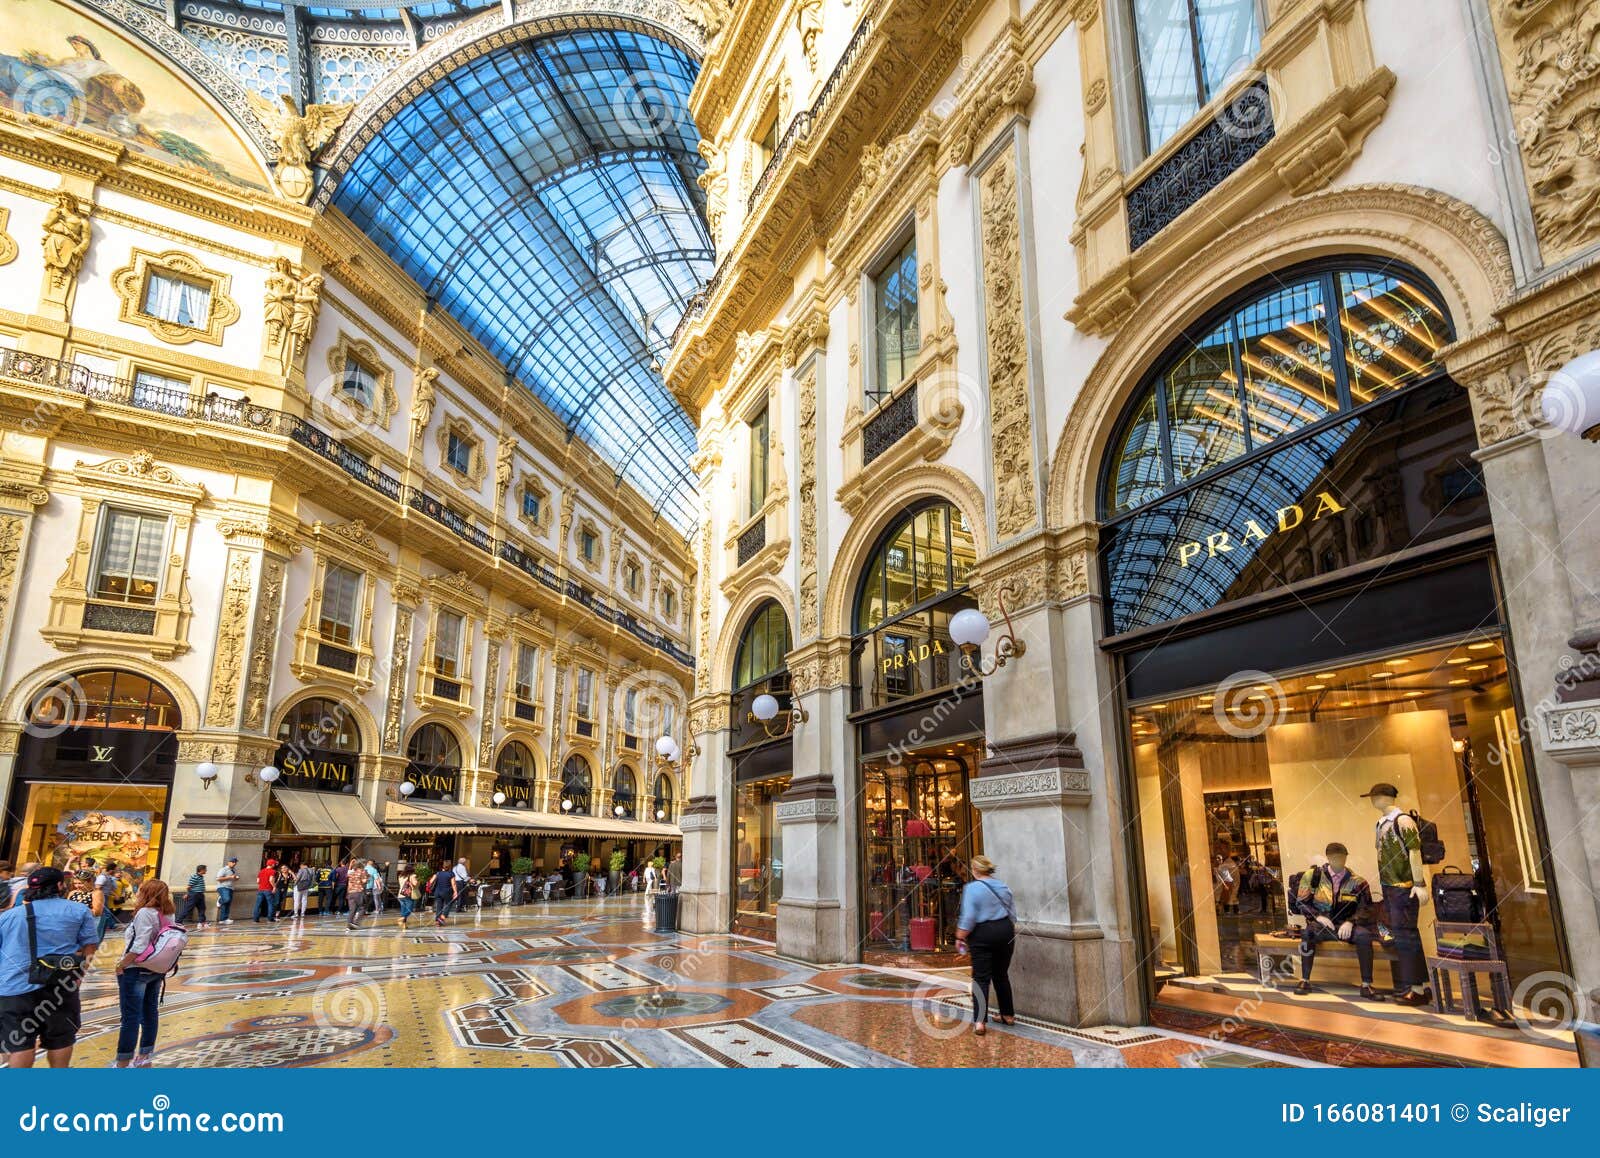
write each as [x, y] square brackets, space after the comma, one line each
[94, 773]
[1303, 598]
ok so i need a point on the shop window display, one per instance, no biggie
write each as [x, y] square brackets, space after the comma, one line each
[761, 769]
[1281, 851]
[758, 851]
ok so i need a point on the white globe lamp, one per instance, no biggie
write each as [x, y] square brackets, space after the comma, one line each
[969, 628]
[764, 708]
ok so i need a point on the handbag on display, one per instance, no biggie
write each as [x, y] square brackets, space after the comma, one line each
[1455, 896]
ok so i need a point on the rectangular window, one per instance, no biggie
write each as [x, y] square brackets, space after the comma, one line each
[447, 644]
[669, 603]
[894, 320]
[341, 591]
[1188, 50]
[584, 705]
[586, 544]
[158, 392]
[631, 578]
[458, 453]
[669, 718]
[630, 712]
[177, 300]
[760, 459]
[358, 382]
[530, 505]
[766, 145]
[527, 662]
[131, 549]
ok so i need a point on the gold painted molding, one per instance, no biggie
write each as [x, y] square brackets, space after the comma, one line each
[131, 283]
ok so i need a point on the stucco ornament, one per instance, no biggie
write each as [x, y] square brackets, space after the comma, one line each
[298, 136]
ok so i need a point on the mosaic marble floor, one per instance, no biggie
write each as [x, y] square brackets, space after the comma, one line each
[579, 984]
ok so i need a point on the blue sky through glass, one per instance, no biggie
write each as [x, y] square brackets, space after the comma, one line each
[544, 196]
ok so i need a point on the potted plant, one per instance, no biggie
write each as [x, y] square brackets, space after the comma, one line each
[619, 861]
[580, 869]
[521, 870]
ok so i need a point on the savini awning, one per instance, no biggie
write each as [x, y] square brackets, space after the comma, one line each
[325, 813]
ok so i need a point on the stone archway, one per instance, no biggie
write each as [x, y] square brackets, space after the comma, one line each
[752, 597]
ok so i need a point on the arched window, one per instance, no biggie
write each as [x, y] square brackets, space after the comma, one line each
[762, 647]
[105, 699]
[1287, 353]
[914, 582]
[576, 785]
[624, 792]
[515, 762]
[435, 763]
[663, 811]
[320, 724]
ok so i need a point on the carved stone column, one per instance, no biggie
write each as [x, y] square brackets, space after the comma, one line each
[704, 899]
[407, 595]
[19, 498]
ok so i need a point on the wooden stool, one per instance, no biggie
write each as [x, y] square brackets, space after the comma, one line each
[1441, 969]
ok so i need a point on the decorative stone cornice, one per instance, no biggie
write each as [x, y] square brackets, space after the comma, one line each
[814, 809]
[140, 472]
[1000, 87]
[262, 532]
[1033, 770]
[805, 336]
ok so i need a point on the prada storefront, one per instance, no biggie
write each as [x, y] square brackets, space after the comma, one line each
[763, 769]
[918, 712]
[314, 814]
[1332, 787]
[94, 774]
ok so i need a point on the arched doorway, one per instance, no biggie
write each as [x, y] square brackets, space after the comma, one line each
[763, 768]
[318, 760]
[433, 767]
[514, 776]
[920, 730]
[94, 773]
[577, 786]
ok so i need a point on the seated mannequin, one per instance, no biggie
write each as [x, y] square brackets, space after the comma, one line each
[1335, 903]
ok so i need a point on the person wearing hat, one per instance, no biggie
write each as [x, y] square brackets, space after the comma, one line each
[34, 1016]
[1335, 902]
[267, 891]
[1405, 891]
[227, 879]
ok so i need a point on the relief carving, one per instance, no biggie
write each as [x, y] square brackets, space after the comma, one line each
[227, 668]
[264, 634]
[1010, 419]
[66, 241]
[399, 663]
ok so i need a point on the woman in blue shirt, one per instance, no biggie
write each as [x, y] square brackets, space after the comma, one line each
[987, 929]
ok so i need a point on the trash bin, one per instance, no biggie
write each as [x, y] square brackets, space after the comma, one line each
[666, 912]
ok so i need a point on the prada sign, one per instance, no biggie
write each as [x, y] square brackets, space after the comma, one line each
[316, 769]
[1283, 520]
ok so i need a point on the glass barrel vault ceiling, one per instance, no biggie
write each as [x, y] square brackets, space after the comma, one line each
[545, 196]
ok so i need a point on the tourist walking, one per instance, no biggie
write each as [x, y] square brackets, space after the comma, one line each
[194, 897]
[227, 881]
[341, 881]
[282, 884]
[987, 930]
[409, 893]
[105, 887]
[357, 893]
[375, 886]
[267, 892]
[48, 1016]
[463, 875]
[139, 987]
[304, 879]
[446, 887]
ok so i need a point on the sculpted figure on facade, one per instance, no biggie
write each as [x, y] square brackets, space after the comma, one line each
[307, 301]
[808, 16]
[298, 137]
[66, 239]
[422, 398]
[715, 182]
[279, 306]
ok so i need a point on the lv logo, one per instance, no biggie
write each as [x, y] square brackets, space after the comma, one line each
[100, 755]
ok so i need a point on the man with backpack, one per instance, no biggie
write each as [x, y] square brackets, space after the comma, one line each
[1400, 842]
[46, 942]
[304, 879]
[194, 897]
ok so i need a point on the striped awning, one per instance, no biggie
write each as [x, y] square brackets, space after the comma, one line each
[432, 816]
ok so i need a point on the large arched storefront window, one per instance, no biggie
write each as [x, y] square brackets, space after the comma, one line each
[624, 793]
[433, 758]
[577, 786]
[94, 773]
[918, 824]
[1301, 599]
[514, 776]
[663, 804]
[762, 769]
[319, 746]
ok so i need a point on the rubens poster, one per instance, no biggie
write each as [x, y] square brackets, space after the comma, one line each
[121, 837]
[58, 63]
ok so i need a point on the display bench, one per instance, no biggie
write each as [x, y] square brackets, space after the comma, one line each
[1278, 962]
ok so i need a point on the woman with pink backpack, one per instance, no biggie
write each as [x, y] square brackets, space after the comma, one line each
[155, 941]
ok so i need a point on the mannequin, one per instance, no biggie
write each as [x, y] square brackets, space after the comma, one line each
[1405, 891]
[1335, 903]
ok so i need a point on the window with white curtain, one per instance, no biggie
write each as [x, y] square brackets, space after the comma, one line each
[177, 300]
[341, 591]
[153, 391]
[129, 564]
[447, 644]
